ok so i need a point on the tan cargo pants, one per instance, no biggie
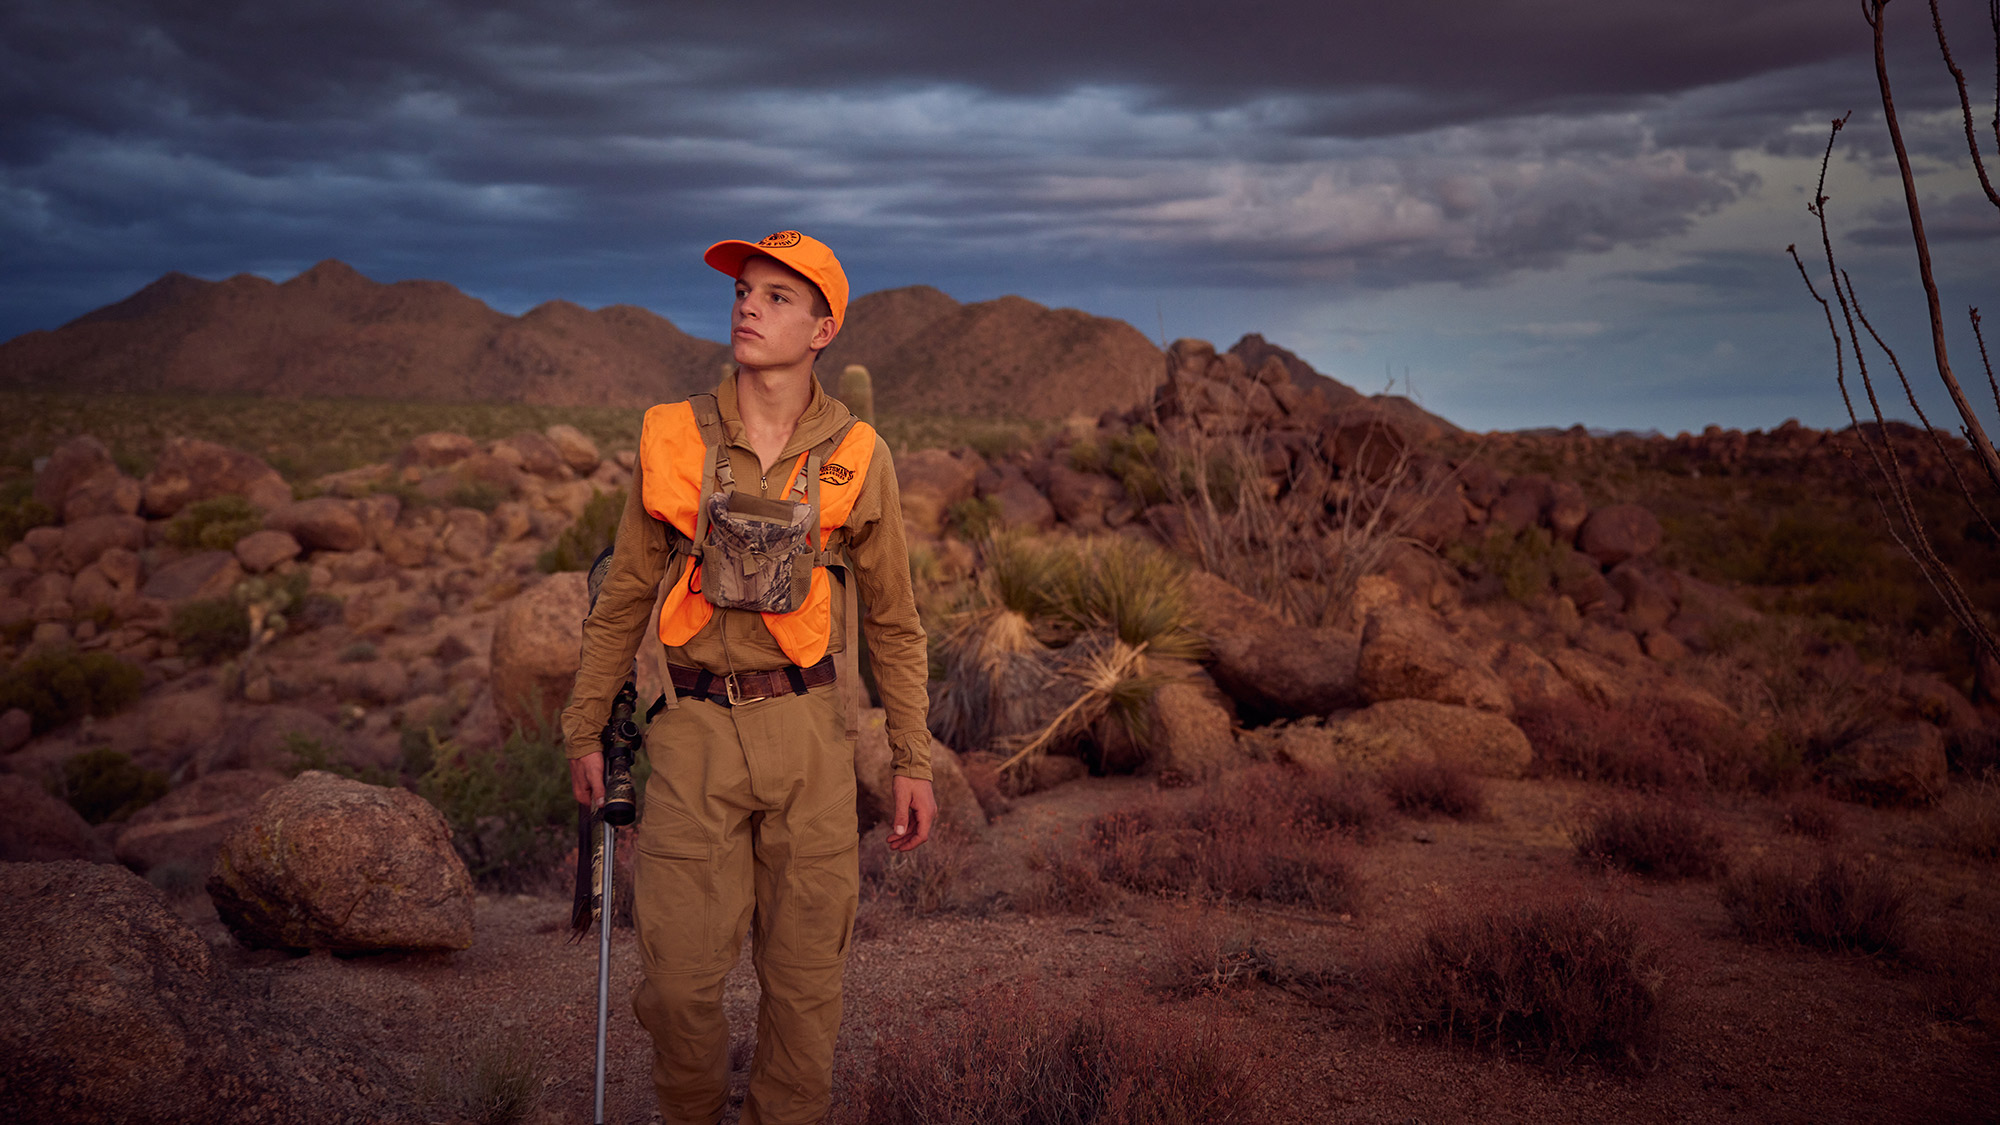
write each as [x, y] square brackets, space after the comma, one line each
[749, 818]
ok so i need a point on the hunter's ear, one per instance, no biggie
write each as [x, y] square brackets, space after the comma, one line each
[824, 334]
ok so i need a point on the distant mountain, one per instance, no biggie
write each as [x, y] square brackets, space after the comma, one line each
[330, 332]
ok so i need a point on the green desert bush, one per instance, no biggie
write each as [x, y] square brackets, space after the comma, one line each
[510, 809]
[1556, 981]
[214, 524]
[1658, 839]
[211, 629]
[106, 785]
[581, 541]
[62, 685]
[1012, 1056]
[1837, 903]
[20, 512]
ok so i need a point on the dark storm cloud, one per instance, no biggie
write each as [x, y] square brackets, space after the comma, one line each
[536, 149]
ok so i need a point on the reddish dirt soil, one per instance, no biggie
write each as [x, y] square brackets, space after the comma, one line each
[1755, 1033]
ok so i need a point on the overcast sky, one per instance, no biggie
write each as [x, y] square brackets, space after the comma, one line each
[1525, 212]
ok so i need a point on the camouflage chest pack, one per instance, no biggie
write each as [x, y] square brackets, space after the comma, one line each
[757, 553]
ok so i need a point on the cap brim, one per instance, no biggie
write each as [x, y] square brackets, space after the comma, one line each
[729, 255]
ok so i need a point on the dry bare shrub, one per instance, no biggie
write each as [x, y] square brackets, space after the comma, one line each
[1063, 879]
[1206, 951]
[1968, 820]
[1271, 834]
[1422, 788]
[1836, 903]
[1961, 985]
[1558, 981]
[1658, 839]
[1575, 738]
[1012, 1055]
[928, 880]
[1812, 815]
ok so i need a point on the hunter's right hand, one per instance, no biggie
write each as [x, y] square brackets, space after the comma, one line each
[586, 779]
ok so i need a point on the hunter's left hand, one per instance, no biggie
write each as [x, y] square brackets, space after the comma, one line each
[914, 801]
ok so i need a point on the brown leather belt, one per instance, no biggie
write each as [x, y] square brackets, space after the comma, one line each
[749, 687]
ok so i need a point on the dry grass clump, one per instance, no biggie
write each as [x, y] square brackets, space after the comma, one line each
[500, 1083]
[1556, 981]
[1650, 743]
[1968, 820]
[1812, 815]
[1425, 788]
[1014, 1056]
[1270, 834]
[1657, 839]
[1836, 904]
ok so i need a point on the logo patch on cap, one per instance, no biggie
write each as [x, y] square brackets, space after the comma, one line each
[782, 239]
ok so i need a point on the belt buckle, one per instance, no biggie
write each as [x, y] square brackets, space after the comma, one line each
[735, 693]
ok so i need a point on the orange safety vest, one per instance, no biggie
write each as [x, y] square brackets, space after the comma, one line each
[679, 467]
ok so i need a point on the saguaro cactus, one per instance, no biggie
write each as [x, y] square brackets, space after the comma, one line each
[857, 390]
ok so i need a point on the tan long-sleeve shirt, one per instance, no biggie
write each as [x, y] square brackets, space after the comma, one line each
[737, 640]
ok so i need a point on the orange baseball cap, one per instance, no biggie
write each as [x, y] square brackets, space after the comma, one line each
[808, 255]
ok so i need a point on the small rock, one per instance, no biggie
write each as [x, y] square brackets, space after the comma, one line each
[328, 863]
[434, 450]
[1898, 764]
[86, 539]
[1384, 733]
[538, 455]
[259, 551]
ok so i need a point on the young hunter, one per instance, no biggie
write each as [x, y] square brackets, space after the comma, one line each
[755, 517]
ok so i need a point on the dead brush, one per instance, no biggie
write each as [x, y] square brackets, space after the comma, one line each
[1837, 903]
[1207, 951]
[1968, 819]
[1015, 1055]
[1658, 839]
[1644, 744]
[1433, 787]
[1556, 981]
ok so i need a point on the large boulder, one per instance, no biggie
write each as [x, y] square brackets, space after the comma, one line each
[324, 523]
[190, 470]
[1897, 764]
[1408, 654]
[70, 464]
[1622, 531]
[537, 642]
[575, 448]
[36, 827]
[259, 551]
[1271, 668]
[204, 574]
[437, 449]
[185, 828]
[329, 863]
[1527, 676]
[1385, 733]
[1081, 499]
[875, 778]
[1649, 604]
[530, 452]
[1190, 735]
[105, 494]
[111, 1009]
[1015, 499]
[950, 476]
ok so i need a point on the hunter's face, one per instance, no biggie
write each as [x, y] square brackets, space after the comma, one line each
[772, 323]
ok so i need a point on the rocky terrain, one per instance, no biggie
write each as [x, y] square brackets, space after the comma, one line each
[1369, 590]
